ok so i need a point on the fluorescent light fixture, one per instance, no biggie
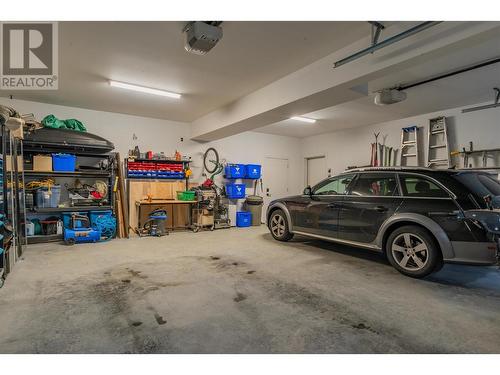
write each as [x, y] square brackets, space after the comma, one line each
[146, 90]
[303, 119]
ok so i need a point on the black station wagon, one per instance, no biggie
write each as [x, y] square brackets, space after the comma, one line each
[419, 218]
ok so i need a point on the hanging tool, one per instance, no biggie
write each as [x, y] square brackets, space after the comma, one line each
[395, 156]
[376, 157]
[380, 155]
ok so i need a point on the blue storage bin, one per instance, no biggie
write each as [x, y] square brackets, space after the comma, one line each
[93, 215]
[63, 162]
[235, 171]
[66, 216]
[235, 191]
[243, 219]
[253, 171]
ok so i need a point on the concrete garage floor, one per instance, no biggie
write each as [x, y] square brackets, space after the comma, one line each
[239, 291]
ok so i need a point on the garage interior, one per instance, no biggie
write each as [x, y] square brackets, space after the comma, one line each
[134, 195]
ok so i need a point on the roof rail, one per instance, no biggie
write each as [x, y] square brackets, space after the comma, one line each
[361, 169]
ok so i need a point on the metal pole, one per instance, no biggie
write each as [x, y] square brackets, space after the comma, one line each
[450, 74]
[396, 38]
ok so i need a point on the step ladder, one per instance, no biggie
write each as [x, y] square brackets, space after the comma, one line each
[438, 154]
[409, 146]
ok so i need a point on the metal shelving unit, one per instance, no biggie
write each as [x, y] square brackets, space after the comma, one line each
[108, 175]
[12, 205]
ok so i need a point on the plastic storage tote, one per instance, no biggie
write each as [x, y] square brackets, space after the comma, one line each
[235, 191]
[253, 171]
[243, 219]
[63, 162]
[93, 215]
[48, 198]
[235, 171]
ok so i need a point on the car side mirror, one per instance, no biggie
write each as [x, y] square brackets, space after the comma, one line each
[308, 191]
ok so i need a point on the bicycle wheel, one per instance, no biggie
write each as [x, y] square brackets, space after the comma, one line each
[211, 160]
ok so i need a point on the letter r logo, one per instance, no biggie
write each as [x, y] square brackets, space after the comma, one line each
[27, 49]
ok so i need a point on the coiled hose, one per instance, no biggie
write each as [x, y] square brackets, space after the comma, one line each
[107, 226]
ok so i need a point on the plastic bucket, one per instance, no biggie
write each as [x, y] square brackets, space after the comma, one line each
[243, 219]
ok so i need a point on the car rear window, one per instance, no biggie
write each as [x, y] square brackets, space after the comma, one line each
[416, 186]
[481, 184]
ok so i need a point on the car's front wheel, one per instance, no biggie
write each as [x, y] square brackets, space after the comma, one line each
[413, 251]
[278, 225]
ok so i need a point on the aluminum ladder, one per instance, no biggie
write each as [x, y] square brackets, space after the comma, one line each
[438, 154]
[409, 146]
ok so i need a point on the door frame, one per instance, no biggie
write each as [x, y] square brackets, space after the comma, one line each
[267, 199]
[306, 166]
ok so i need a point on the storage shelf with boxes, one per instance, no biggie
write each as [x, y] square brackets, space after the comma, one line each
[61, 179]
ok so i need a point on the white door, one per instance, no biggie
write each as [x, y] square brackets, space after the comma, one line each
[274, 180]
[315, 170]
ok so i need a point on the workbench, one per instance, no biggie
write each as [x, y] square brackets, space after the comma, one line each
[178, 212]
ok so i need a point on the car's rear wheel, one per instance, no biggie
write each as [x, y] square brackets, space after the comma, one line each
[413, 251]
[278, 225]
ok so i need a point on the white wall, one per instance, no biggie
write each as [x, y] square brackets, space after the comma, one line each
[163, 135]
[352, 146]
[153, 134]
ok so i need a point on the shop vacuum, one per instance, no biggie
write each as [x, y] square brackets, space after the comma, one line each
[155, 225]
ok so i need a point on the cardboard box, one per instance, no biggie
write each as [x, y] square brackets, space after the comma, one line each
[9, 163]
[42, 163]
[18, 133]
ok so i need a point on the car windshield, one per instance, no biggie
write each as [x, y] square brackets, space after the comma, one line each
[481, 184]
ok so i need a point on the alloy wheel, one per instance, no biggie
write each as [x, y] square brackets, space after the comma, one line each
[410, 251]
[278, 225]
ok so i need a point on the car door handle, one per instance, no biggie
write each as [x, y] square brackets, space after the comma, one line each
[333, 205]
[381, 208]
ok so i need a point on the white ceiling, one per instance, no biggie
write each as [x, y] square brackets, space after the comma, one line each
[460, 90]
[250, 55]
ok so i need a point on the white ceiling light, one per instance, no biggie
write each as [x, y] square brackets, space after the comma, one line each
[303, 119]
[143, 89]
